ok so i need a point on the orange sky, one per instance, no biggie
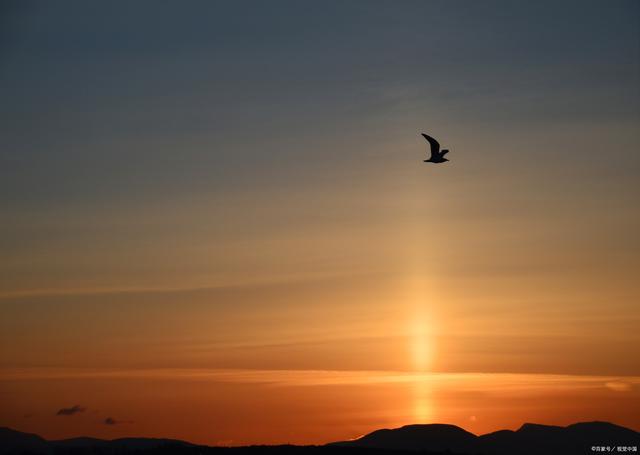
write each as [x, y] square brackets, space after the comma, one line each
[218, 226]
[328, 280]
[236, 407]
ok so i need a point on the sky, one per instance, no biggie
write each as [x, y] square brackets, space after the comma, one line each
[216, 224]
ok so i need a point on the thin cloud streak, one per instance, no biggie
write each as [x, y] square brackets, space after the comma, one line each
[302, 378]
[71, 411]
[266, 281]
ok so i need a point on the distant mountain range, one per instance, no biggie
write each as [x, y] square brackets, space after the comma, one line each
[579, 439]
[14, 442]
[531, 438]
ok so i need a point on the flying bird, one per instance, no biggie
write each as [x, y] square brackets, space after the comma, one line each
[437, 156]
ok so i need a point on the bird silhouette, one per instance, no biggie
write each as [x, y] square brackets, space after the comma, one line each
[437, 156]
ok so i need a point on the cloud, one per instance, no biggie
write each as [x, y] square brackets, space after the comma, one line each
[618, 386]
[112, 421]
[70, 411]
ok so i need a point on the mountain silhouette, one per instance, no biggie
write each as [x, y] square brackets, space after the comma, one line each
[434, 437]
[117, 444]
[14, 442]
[529, 439]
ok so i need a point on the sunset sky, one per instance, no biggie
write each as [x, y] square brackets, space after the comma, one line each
[216, 224]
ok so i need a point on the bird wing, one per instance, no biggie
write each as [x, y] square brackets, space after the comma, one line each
[435, 146]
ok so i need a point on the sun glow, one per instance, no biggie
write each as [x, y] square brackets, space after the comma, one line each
[422, 403]
[422, 349]
[420, 327]
[421, 342]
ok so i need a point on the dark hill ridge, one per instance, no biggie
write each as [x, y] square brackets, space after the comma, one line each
[12, 441]
[432, 439]
[119, 444]
[528, 439]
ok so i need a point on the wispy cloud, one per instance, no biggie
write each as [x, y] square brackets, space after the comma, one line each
[271, 280]
[112, 421]
[70, 411]
[298, 378]
[619, 386]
